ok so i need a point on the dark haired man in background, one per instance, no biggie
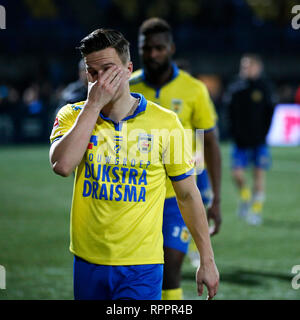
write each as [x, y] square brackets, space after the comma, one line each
[161, 81]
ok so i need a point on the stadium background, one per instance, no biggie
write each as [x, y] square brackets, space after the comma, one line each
[38, 59]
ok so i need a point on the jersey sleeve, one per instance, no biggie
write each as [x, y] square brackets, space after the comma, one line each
[204, 114]
[63, 123]
[177, 155]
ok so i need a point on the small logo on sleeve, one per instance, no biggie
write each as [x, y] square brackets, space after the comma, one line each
[56, 123]
[93, 142]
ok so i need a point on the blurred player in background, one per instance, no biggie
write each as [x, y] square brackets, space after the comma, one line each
[119, 188]
[250, 103]
[161, 81]
[76, 91]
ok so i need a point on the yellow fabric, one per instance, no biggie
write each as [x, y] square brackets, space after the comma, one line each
[245, 194]
[257, 207]
[192, 246]
[119, 186]
[172, 294]
[186, 96]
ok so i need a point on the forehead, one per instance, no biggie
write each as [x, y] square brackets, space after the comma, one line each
[248, 61]
[102, 57]
[245, 61]
[154, 39]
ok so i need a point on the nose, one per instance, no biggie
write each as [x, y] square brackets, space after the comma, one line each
[154, 53]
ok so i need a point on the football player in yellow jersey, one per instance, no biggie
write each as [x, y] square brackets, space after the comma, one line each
[121, 150]
[161, 81]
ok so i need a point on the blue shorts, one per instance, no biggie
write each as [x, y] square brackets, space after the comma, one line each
[259, 156]
[101, 282]
[204, 187]
[176, 234]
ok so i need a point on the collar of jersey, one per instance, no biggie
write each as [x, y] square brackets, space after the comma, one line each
[140, 108]
[174, 75]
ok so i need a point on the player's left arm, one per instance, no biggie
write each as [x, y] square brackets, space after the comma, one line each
[193, 212]
[212, 156]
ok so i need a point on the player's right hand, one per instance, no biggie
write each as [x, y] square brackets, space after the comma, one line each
[103, 90]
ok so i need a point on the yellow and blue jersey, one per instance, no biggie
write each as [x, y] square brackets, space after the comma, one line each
[119, 187]
[183, 94]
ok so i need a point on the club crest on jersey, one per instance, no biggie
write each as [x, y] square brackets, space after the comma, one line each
[176, 105]
[145, 142]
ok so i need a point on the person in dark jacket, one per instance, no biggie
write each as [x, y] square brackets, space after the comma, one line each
[250, 102]
[75, 91]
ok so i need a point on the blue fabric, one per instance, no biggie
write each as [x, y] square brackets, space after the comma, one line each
[259, 156]
[175, 232]
[101, 282]
[140, 108]
[174, 229]
[182, 176]
[204, 187]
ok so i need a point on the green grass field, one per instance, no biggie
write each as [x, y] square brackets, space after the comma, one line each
[254, 262]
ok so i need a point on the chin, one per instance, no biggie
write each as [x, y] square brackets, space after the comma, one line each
[157, 71]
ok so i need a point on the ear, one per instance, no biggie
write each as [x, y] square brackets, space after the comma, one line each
[129, 69]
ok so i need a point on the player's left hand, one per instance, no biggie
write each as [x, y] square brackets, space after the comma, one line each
[214, 214]
[208, 275]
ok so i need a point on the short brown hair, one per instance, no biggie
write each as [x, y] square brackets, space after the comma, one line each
[105, 38]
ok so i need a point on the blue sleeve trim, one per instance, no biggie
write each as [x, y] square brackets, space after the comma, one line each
[56, 139]
[182, 176]
[210, 129]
